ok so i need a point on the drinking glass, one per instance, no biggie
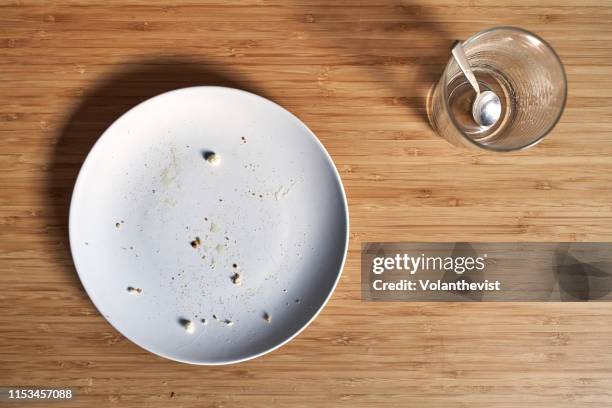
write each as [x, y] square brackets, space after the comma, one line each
[524, 72]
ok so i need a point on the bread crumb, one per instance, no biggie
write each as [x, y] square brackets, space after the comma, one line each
[228, 322]
[267, 317]
[117, 225]
[187, 325]
[134, 291]
[212, 158]
[236, 279]
[215, 317]
[204, 321]
[243, 140]
[196, 242]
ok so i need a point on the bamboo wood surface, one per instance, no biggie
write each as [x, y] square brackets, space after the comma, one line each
[357, 73]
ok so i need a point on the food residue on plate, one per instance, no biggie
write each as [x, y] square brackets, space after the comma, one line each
[236, 279]
[228, 322]
[212, 158]
[196, 242]
[204, 321]
[283, 191]
[134, 291]
[267, 317]
[170, 174]
[187, 325]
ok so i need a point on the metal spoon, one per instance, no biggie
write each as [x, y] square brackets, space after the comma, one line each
[486, 109]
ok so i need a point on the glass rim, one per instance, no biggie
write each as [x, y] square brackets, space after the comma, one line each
[544, 133]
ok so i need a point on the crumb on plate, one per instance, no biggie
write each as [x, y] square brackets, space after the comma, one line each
[212, 158]
[196, 242]
[236, 279]
[134, 291]
[187, 325]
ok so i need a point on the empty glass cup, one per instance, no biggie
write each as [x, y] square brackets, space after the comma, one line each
[524, 72]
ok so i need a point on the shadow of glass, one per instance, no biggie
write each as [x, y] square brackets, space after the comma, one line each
[465, 250]
[580, 280]
[365, 40]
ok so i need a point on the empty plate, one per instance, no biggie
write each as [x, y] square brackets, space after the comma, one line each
[208, 225]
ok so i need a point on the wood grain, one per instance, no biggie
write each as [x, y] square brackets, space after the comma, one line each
[357, 72]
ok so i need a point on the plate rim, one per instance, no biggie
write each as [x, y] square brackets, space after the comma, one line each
[321, 147]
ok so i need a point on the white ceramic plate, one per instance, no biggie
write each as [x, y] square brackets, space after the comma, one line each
[273, 210]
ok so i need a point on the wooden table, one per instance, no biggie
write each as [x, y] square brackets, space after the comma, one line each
[357, 72]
